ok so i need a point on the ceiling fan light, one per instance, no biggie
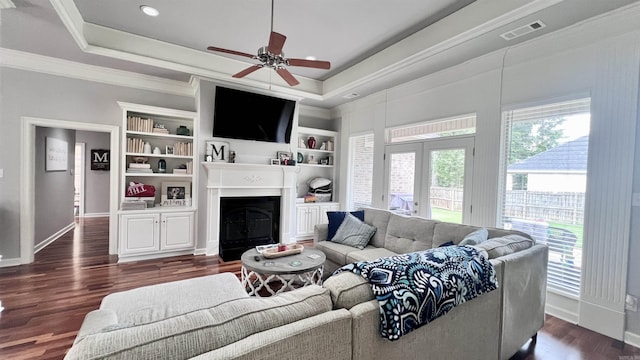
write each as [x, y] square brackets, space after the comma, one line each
[148, 10]
[312, 58]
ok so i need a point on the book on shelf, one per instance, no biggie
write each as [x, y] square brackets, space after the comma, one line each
[135, 145]
[180, 171]
[183, 149]
[139, 166]
[136, 123]
[160, 131]
[138, 170]
[133, 205]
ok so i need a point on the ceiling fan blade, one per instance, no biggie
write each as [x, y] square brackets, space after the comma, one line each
[247, 71]
[276, 43]
[286, 75]
[309, 63]
[213, 48]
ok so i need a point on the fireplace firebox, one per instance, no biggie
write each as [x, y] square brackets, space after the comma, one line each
[246, 222]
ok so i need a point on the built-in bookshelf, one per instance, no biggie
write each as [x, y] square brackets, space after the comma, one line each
[157, 211]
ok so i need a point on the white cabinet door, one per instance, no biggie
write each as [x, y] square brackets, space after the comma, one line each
[313, 212]
[176, 231]
[323, 212]
[309, 215]
[302, 220]
[139, 233]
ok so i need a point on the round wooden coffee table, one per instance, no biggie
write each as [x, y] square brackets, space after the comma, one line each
[281, 274]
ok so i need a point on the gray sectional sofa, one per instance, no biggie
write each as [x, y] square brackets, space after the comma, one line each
[493, 326]
[213, 318]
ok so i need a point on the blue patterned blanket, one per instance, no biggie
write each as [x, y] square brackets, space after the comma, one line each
[413, 289]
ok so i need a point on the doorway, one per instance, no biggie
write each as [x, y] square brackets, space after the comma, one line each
[78, 180]
[430, 178]
[27, 191]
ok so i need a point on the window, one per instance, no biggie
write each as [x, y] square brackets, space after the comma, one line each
[361, 171]
[544, 167]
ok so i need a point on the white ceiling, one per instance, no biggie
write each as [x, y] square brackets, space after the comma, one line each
[371, 44]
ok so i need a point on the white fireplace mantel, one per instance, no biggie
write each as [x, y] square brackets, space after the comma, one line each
[234, 179]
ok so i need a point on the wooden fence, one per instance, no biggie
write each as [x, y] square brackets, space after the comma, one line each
[562, 207]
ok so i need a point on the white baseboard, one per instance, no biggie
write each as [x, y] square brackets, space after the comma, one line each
[53, 237]
[561, 314]
[95, 215]
[202, 251]
[632, 339]
[10, 262]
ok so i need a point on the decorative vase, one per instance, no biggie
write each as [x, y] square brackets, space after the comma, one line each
[162, 166]
[311, 142]
[147, 148]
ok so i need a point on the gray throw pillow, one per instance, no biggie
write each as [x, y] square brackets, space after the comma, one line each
[505, 245]
[475, 237]
[353, 232]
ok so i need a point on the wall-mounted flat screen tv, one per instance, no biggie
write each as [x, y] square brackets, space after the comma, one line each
[244, 115]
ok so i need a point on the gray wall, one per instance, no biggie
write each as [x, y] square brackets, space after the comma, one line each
[53, 97]
[53, 189]
[96, 182]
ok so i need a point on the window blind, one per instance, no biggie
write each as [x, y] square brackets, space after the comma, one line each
[361, 171]
[544, 165]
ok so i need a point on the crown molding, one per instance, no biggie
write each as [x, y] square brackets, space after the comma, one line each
[53, 66]
[470, 22]
[72, 20]
[7, 4]
[314, 112]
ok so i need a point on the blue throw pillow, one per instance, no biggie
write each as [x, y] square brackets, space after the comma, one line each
[448, 243]
[337, 217]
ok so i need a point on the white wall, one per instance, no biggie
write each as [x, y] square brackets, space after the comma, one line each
[598, 58]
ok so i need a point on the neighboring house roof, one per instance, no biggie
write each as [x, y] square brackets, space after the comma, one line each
[568, 157]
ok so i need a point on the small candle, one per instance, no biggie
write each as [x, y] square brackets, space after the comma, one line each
[282, 247]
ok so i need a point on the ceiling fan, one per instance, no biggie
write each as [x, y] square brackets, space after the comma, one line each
[273, 57]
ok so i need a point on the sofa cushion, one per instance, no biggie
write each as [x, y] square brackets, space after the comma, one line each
[335, 252]
[354, 232]
[141, 305]
[505, 245]
[409, 234]
[475, 237]
[197, 332]
[337, 217]
[368, 254]
[379, 219]
[348, 289]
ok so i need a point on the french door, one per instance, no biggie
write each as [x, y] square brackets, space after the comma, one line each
[431, 178]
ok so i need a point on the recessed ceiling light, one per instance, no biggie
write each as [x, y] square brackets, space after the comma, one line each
[311, 58]
[149, 10]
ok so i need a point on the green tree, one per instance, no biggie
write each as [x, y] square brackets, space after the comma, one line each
[529, 138]
[448, 168]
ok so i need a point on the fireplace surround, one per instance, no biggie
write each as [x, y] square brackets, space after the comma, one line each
[245, 181]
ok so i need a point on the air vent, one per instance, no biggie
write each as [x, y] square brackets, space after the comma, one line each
[351, 96]
[523, 30]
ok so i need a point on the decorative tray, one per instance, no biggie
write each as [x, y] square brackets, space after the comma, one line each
[274, 253]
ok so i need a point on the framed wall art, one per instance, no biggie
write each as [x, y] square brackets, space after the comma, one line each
[56, 152]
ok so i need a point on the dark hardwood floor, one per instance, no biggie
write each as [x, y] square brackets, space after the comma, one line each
[45, 302]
